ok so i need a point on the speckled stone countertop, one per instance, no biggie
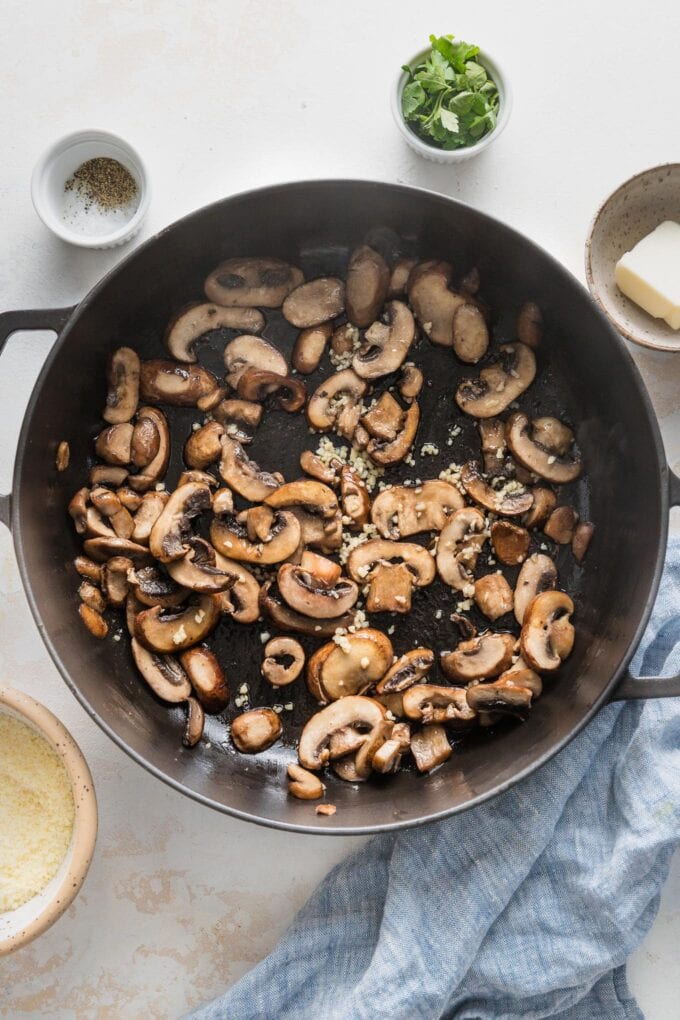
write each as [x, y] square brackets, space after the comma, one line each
[220, 97]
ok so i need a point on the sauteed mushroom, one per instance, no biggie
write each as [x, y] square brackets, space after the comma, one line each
[410, 382]
[430, 748]
[174, 382]
[169, 535]
[429, 703]
[387, 342]
[433, 303]
[309, 347]
[198, 569]
[335, 402]
[252, 282]
[152, 587]
[547, 636]
[152, 472]
[149, 511]
[541, 446]
[243, 475]
[399, 277]
[470, 333]
[283, 662]
[256, 730]
[229, 535]
[388, 453]
[384, 419]
[163, 673]
[493, 596]
[390, 584]
[114, 444]
[460, 542]
[530, 324]
[356, 503]
[356, 712]
[248, 351]
[310, 495]
[403, 510]
[115, 579]
[287, 619]
[351, 666]
[368, 279]
[237, 414]
[538, 574]
[545, 501]
[409, 669]
[287, 392]
[203, 447]
[193, 731]
[483, 656]
[241, 602]
[312, 465]
[510, 501]
[303, 784]
[94, 621]
[165, 632]
[582, 535]
[102, 549]
[207, 678]
[510, 542]
[194, 321]
[314, 302]
[310, 595]
[123, 392]
[561, 524]
[508, 375]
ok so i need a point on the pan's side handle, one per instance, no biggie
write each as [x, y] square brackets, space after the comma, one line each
[652, 686]
[21, 321]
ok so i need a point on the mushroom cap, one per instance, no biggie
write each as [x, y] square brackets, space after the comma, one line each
[315, 302]
[207, 678]
[101, 549]
[354, 711]
[337, 670]
[547, 636]
[312, 596]
[460, 542]
[500, 698]
[248, 351]
[229, 536]
[538, 457]
[334, 395]
[153, 471]
[410, 382]
[368, 280]
[530, 324]
[203, 446]
[114, 444]
[378, 551]
[510, 373]
[545, 502]
[175, 382]
[252, 281]
[193, 731]
[404, 510]
[538, 574]
[486, 655]
[256, 730]
[309, 347]
[432, 703]
[433, 303]
[123, 392]
[168, 539]
[176, 631]
[470, 333]
[195, 320]
[510, 501]
[163, 673]
[409, 669]
[386, 343]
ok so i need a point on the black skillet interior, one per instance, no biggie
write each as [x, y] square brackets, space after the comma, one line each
[584, 376]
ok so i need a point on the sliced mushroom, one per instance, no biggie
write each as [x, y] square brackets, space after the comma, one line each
[538, 574]
[102, 549]
[109, 505]
[173, 632]
[130, 499]
[430, 748]
[310, 595]
[204, 447]
[236, 414]
[387, 342]
[94, 621]
[248, 351]
[258, 520]
[540, 447]
[62, 456]
[77, 509]
[91, 595]
[460, 542]
[390, 584]
[286, 619]
[198, 569]
[466, 628]
[105, 474]
[399, 277]
[561, 524]
[283, 661]
[193, 475]
[509, 501]
[252, 282]
[360, 713]
[404, 510]
[242, 601]
[314, 302]
[123, 392]
[430, 703]
[409, 669]
[368, 280]
[88, 568]
[243, 475]
[211, 400]
[163, 673]
[175, 383]
[483, 656]
[583, 533]
[152, 587]
[545, 501]
[312, 465]
[149, 511]
[152, 473]
[256, 730]
[492, 434]
[193, 731]
[388, 453]
[547, 636]
[194, 321]
[384, 419]
[288, 393]
[470, 333]
[510, 542]
[115, 579]
[387, 758]
[114, 444]
[146, 441]
[345, 340]
[169, 535]
[509, 374]
[207, 678]
[326, 569]
[303, 784]
[433, 303]
[335, 402]
[410, 382]
[354, 497]
[230, 537]
[501, 698]
[348, 666]
[530, 324]
[315, 497]
[493, 596]
[309, 347]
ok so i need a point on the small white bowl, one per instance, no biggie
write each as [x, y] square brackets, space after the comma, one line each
[19, 927]
[59, 162]
[431, 152]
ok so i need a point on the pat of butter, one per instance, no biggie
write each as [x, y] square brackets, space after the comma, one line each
[649, 274]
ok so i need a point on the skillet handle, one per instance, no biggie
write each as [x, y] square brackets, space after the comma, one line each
[21, 321]
[652, 686]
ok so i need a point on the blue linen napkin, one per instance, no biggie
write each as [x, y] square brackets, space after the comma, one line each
[523, 908]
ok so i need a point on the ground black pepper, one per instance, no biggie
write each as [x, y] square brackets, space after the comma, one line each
[104, 182]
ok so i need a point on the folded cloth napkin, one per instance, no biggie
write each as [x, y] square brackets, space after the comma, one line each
[525, 907]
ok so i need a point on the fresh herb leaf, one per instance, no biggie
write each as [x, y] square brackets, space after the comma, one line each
[412, 97]
[449, 120]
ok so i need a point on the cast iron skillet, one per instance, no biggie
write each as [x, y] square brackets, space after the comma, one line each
[586, 375]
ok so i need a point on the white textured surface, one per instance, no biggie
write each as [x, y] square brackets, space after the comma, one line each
[220, 97]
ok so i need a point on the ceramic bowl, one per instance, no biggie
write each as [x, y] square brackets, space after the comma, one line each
[629, 214]
[431, 152]
[56, 165]
[19, 927]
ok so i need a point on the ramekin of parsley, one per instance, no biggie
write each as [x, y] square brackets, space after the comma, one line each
[451, 101]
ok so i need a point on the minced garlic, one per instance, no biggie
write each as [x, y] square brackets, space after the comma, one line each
[36, 812]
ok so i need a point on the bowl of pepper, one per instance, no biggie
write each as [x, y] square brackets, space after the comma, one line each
[91, 189]
[451, 101]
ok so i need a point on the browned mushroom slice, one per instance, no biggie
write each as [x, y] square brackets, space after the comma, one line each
[194, 321]
[283, 661]
[203, 447]
[501, 698]
[242, 601]
[387, 453]
[102, 549]
[387, 757]
[236, 415]
[314, 302]
[359, 713]
[115, 584]
[384, 419]
[303, 784]
[430, 748]
[91, 595]
[410, 382]
[483, 656]
[145, 443]
[309, 347]
[109, 505]
[175, 383]
[169, 535]
[336, 401]
[493, 596]
[399, 277]
[173, 632]
[123, 392]
[193, 730]
[252, 282]
[88, 568]
[510, 373]
[404, 510]
[433, 303]
[510, 542]
[105, 474]
[130, 499]
[163, 673]
[94, 621]
[314, 466]
[492, 434]
[354, 497]
[204, 477]
[430, 703]
[540, 447]
[248, 351]
[460, 542]
[207, 678]
[509, 501]
[583, 533]
[409, 669]
[547, 636]
[287, 619]
[306, 493]
[77, 509]
[256, 730]
[287, 392]
[229, 536]
[545, 502]
[114, 444]
[390, 583]
[387, 342]
[243, 475]
[311, 595]
[368, 280]
[561, 524]
[152, 587]
[470, 333]
[152, 472]
[149, 511]
[530, 324]
[198, 570]
[538, 574]
[348, 665]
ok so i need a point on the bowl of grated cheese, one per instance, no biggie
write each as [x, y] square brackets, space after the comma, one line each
[48, 819]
